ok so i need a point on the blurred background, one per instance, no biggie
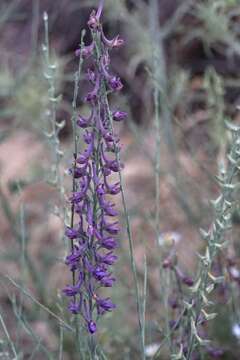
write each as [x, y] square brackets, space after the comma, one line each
[186, 51]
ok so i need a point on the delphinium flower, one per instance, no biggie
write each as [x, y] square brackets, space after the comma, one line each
[93, 233]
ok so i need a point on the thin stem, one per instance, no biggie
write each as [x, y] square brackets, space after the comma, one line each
[11, 343]
[60, 357]
[75, 140]
[34, 273]
[144, 300]
[159, 82]
[28, 294]
[23, 266]
[153, 14]
[74, 185]
[92, 348]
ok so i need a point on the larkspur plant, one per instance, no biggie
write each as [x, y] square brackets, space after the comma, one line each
[93, 234]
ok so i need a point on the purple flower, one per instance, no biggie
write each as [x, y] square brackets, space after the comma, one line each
[187, 281]
[108, 259]
[74, 307]
[111, 228]
[100, 272]
[71, 233]
[92, 327]
[92, 96]
[75, 256]
[70, 290]
[112, 165]
[104, 305]
[112, 189]
[82, 122]
[83, 158]
[109, 243]
[80, 171]
[119, 115]
[86, 122]
[108, 207]
[91, 76]
[115, 83]
[100, 190]
[92, 236]
[108, 281]
[173, 302]
[88, 137]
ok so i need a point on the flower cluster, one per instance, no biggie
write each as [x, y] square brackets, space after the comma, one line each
[94, 230]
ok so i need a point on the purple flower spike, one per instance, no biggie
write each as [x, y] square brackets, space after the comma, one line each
[91, 233]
